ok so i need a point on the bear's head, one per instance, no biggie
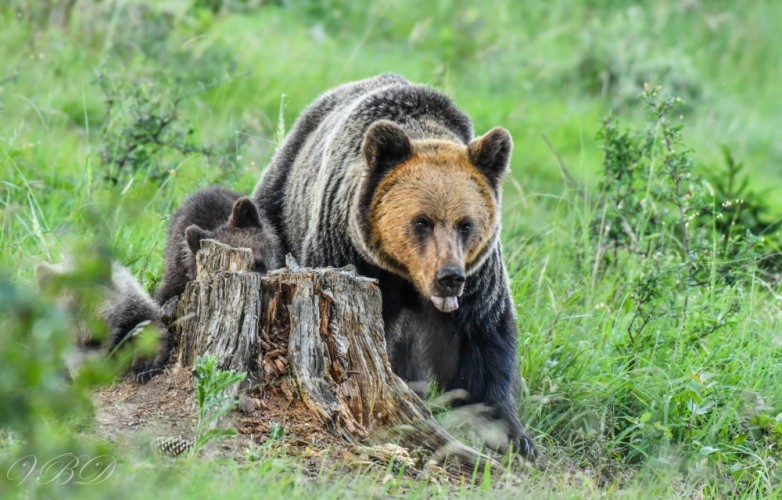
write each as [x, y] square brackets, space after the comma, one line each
[244, 229]
[432, 206]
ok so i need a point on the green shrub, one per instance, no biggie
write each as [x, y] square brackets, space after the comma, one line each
[656, 350]
[741, 213]
[43, 413]
[145, 131]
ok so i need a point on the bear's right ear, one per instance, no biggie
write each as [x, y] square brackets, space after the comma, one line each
[385, 146]
[244, 214]
[194, 235]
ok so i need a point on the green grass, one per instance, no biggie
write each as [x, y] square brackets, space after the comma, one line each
[667, 418]
[275, 475]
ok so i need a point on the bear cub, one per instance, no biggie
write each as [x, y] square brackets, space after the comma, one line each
[219, 214]
[122, 305]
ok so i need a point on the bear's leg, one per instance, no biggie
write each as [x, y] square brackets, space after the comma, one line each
[401, 316]
[405, 352]
[474, 349]
[480, 364]
[144, 367]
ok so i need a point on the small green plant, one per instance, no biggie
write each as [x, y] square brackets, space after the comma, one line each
[214, 402]
[269, 448]
[658, 215]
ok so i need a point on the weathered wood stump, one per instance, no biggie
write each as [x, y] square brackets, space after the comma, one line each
[319, 334]
[218, 312]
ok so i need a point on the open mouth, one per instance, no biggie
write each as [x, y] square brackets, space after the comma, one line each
[445, 304]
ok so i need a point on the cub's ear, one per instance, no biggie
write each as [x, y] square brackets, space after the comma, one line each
[44, 273]
[385, 146]
[194, 235]
[244, 214]
[491, 154]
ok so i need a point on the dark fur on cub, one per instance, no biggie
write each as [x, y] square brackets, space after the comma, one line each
[219, 214]
[387, 175]
[125, 309]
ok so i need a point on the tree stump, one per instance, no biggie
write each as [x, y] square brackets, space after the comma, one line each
[218, 312]
[318, 335]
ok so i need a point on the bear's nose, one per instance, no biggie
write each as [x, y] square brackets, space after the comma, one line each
[450, 276]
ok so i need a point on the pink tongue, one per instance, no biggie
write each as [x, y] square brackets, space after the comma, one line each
[446, 304]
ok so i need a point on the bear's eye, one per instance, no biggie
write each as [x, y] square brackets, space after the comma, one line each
[422, 225]
[259, 266]
[92, 343]
[465, 228]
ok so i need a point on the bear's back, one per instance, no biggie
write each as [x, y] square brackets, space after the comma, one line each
[301, 144]
[308, 188]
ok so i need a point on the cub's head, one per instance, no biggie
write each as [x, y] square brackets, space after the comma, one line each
[81, 288]
[432, 206]
[244, 229]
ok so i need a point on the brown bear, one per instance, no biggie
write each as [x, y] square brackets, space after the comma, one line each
[223, 215]
[123, 306]
[387, 175]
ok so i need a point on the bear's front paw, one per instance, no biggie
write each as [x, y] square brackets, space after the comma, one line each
[518, 441]
[524, 446]
[143, 372]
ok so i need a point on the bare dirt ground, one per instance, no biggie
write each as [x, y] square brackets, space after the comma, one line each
[165, 405]
[134, 415]
[130, 413]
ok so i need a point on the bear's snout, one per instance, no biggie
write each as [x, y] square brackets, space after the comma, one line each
[451, 279]
[448, 286]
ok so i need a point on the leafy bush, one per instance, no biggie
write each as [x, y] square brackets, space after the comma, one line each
[663, 367]
[145, 127]
[622, 54]
[33, 385]
[43, 412]
[145, 132]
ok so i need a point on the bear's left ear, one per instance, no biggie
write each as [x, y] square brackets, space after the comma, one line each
[491, 154]
[194, 235]
[244, 214]
[385, 146]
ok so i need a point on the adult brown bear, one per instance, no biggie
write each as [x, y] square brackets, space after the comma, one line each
[386, 175]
